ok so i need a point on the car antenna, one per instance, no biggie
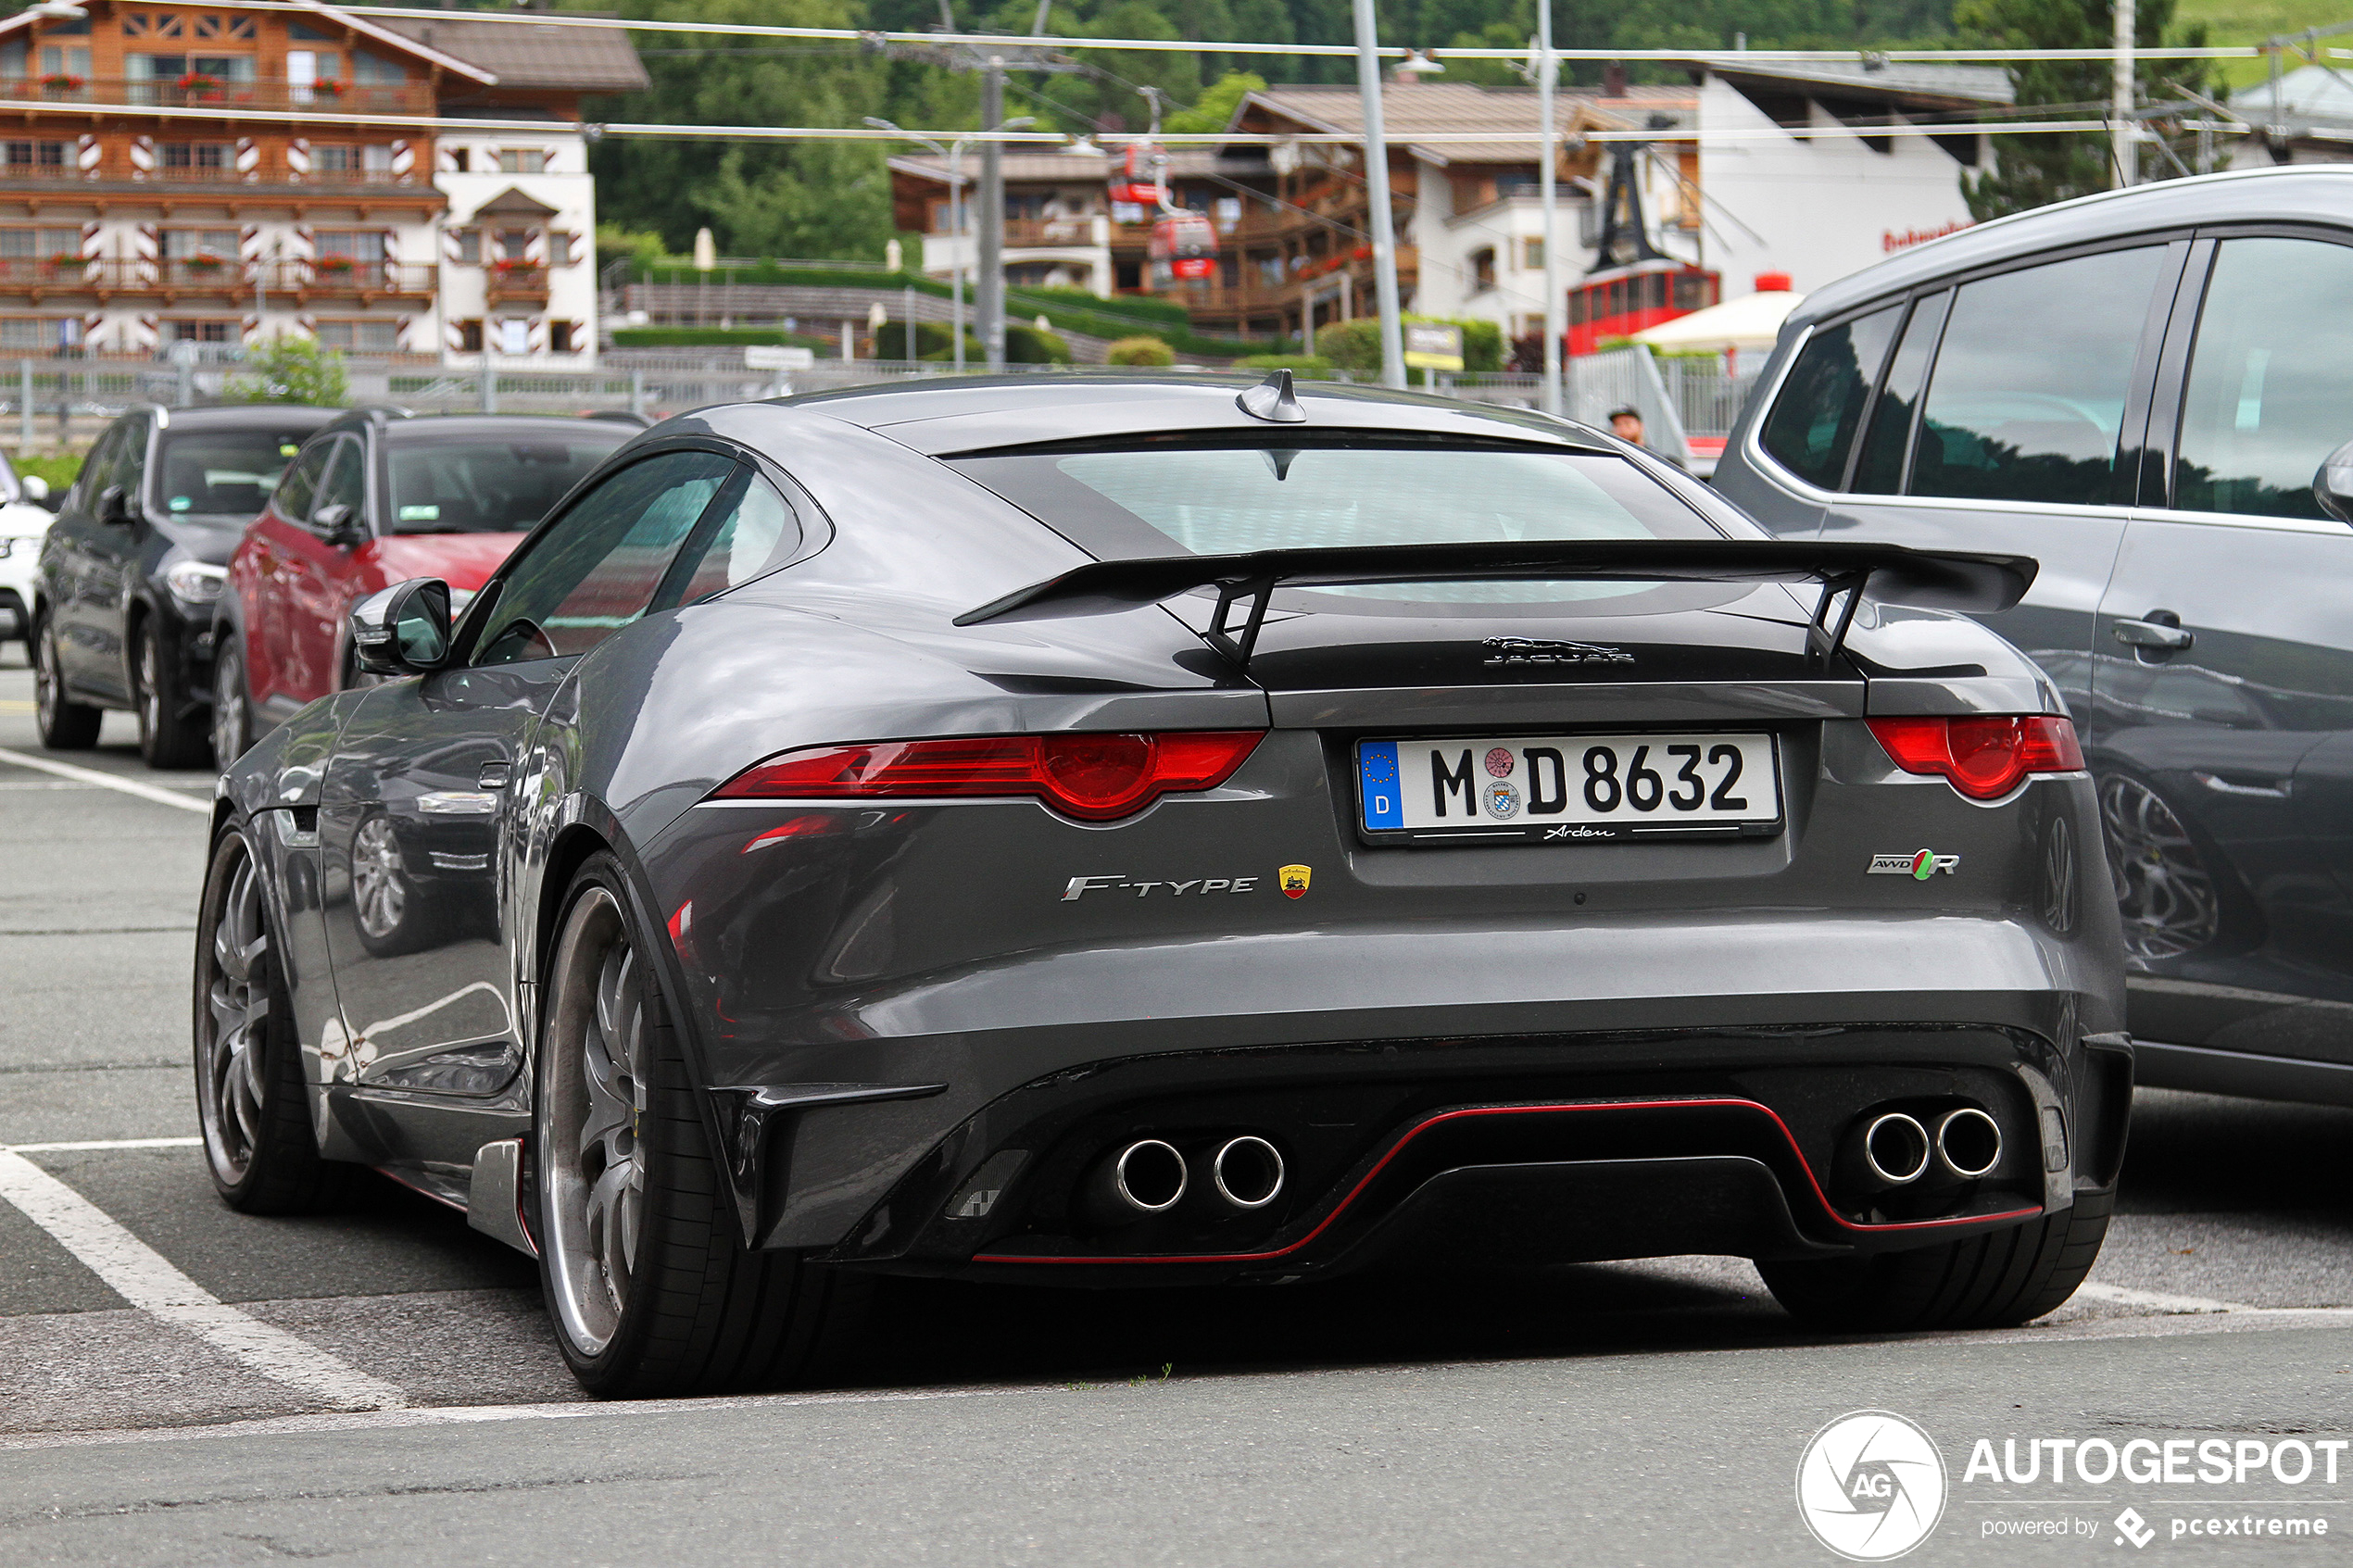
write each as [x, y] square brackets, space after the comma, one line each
[1271, 400]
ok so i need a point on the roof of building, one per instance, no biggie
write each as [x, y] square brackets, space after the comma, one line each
[2308, 93]
[584, 59]
[1900, 85]
[1454, 109]
[512, 203]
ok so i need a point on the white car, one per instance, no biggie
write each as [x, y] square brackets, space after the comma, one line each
[24, 523]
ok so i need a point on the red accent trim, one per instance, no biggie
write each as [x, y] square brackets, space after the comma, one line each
[1421, 1127]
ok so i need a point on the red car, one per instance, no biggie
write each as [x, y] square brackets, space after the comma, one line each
[375, 498]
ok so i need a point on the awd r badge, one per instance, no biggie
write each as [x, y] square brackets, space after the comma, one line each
[1918, 866]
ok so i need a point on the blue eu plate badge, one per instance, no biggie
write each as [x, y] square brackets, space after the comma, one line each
[1384, 802]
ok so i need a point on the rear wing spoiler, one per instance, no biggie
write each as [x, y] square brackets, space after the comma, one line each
[1961, 580]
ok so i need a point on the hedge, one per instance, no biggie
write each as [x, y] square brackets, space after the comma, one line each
[1355, 345]
[1151, 353]
[719, 337]
[1303, 367]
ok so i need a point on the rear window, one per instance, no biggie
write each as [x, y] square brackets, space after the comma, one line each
[487, 486]
[1223, 500]
[226, 474]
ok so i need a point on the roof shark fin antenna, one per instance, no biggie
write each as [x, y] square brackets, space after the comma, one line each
[1271, 400]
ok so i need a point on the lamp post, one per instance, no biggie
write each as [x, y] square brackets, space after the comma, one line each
[954, 156]
[1393, 336]
[1545, 72]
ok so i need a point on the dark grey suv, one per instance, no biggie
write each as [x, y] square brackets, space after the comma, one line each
[2139, 390]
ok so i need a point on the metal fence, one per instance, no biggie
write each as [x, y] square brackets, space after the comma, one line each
[64, 403]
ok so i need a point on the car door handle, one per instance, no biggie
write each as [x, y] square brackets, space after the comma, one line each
[2152, 634]
[492, 775]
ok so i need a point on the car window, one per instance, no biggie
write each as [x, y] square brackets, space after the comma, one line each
[596, 568]
[300, 481]
[1821, 399]
[752, 526]
[98, 471]
[1879, 471]
[213, 471]
[130, 461]
[347, 480]
[2265, 401]
[2028, 393]
[478, 483]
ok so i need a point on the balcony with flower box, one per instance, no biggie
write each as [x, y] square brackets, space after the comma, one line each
[515, 282]
[200, 91]
[347, 278]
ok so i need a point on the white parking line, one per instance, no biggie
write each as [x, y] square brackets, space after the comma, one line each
[162, 797]
[100, 1143]
[147, 1280]
[2123, 1295]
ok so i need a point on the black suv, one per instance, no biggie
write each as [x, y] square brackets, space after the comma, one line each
[2144, 390]
[134, 565]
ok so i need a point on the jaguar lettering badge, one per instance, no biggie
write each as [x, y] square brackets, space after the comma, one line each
[1545, 650]
[1919, 865]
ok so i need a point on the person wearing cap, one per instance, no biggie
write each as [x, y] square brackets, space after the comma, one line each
[1626, 425]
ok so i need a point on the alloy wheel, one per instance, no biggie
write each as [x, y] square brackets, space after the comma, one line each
[597, 1091]
[378, 891]
[231, 1026]
[150, 686]
[48, 687]
[228, 711]
[2163, 890]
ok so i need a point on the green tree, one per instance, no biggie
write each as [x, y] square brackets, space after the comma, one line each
[291, 369]
[2032, 171]
[1215, 108]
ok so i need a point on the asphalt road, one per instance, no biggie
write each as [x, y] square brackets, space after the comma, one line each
[379, 1386]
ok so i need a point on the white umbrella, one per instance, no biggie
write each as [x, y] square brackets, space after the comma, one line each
[1752, 321]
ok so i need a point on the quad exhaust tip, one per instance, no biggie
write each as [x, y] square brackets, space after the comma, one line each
[1968, 1142]
[1896, 1147]
[1248, 1172]
[1150, 1176]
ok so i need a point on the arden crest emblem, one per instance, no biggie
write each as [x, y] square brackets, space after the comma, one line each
[1294, 879]
[1545, 650]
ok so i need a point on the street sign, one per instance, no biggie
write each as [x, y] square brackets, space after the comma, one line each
[1433, 345]
[778, 356]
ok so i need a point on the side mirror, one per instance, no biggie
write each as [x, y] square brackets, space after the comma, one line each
[2332, 485]
[35, 489]
[335, 522]
[114, 505]
[403, 629]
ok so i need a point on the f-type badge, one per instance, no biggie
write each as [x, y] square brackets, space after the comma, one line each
[1543, 650]
[1293, 880]
[1919, 865]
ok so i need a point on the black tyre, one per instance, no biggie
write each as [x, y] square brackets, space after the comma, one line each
[1997, 1280]
[232, 708]
[65, 725]
[648, 1284]
[168, 736]
[252, 1104]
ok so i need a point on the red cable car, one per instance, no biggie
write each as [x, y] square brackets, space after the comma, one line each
[1136, 179]
[1187, 243]
[1623, 300]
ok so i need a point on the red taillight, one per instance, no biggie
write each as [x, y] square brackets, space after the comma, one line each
[1984, 756]
[1097, 777]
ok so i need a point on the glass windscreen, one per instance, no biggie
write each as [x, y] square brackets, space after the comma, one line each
[1205, 500]
[223, 473]
[482, 485]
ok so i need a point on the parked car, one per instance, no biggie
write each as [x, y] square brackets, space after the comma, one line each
[25, 518]
[133, 567]
[1106, 830]
[378, 496]
[2141, 389]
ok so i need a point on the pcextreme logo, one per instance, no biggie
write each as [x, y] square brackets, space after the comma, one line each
[1870, 1485]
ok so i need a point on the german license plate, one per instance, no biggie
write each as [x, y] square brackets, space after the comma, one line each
[1569, 789]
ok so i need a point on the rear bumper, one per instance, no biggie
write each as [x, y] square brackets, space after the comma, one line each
[1534, 1147]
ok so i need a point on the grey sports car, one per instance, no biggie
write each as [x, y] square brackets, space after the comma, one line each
[1116, 832]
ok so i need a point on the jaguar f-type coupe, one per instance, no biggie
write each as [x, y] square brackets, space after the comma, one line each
[1119, 832]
